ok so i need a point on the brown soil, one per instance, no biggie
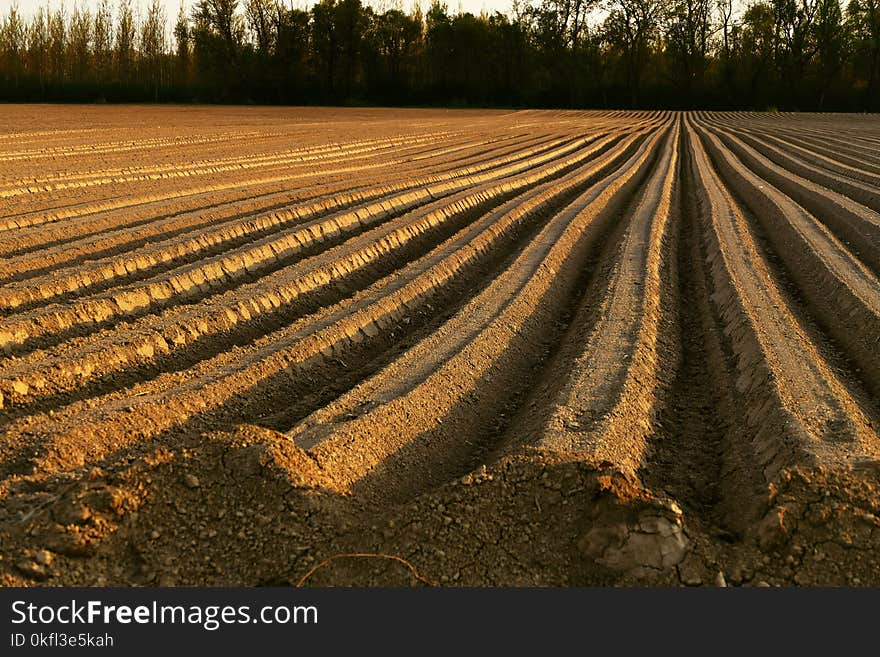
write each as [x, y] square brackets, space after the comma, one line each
[373, 347]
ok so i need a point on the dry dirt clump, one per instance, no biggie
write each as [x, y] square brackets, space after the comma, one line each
[823, 527]
[237, 509]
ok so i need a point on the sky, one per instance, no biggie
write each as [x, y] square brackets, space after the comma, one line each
[27, 7]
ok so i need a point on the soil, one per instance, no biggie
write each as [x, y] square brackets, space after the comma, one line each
[438, 348]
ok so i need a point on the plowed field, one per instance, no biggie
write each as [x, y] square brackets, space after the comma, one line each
[391, 347]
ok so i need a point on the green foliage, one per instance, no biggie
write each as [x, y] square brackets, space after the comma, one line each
[791, 54]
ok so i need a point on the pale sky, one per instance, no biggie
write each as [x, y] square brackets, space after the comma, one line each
[27, 7]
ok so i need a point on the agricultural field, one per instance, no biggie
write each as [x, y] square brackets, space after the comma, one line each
[248, 346]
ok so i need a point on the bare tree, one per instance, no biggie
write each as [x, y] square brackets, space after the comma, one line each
[725, 12]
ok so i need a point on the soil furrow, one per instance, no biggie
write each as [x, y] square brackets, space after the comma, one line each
[798, 410]
[428, 410]
[278, 298]
[857, 226]
[619, 367]
[301, 347]
[861, 192]
[353, 152]
[196, 281]
[838, 288]
[210, 240]
[151, 222]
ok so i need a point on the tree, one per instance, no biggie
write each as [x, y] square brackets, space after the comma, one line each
[218, 37]
[794, 42]
[182, 49]
[351, 20]
[632, 28]
[338, 30]
[12, 48]
[756, 50]
[259, 16]
[325, 44]
[863, 19]
[292, 51]
[38, 45]
[806, 54]
[125, 35]
[219, 20]
[79, 45]
[687, 33]
[103, 43]
[724, 8]
[395, 38]
[153, 46]
[830, 39]
[725, 12]
[58, 45]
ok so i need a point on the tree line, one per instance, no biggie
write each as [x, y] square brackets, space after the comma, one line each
[784, 54]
